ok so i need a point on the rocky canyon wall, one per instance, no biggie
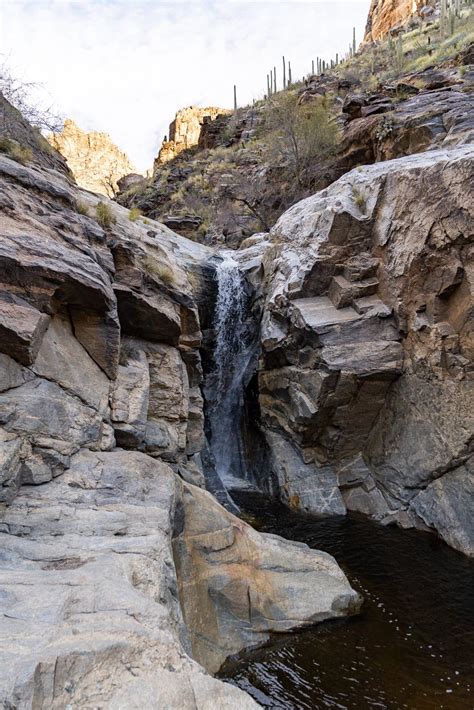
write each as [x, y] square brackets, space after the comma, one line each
[95, 161]
[366, 381]
[118, 573]
[185, 131]
[387, 15]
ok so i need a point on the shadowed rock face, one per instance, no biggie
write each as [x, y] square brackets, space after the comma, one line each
[366, 379]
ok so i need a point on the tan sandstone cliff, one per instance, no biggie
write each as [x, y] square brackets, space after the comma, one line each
[385, 15]
[94, 159]
[185, 130]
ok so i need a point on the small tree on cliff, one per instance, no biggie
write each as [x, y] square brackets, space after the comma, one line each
[299, 134]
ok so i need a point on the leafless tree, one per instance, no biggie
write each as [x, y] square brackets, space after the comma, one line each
[299, 135]
[19, 94]
[109, 182]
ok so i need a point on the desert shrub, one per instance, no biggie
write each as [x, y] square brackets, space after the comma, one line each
[359, 199]
[134, 214]
[128, 352]
[81, 207]
[22, 154]
[159, 269]
[104, 215]
[299, 134]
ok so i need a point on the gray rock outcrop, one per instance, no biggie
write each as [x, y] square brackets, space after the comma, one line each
[366, 378]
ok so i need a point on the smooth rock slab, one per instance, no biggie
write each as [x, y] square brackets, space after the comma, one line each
[90, 615]
[237, 586]
[88, 595]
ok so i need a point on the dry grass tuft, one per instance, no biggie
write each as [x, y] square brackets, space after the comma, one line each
[22, 154]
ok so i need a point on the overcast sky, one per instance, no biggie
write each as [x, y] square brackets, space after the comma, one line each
[126, 66]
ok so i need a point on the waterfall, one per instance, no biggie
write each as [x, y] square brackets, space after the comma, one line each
[234, 348]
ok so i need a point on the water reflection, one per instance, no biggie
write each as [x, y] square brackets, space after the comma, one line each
[413, 645]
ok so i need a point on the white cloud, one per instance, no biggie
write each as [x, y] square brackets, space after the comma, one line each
[126, 66]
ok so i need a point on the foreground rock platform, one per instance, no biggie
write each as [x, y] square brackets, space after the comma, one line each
[98, 566]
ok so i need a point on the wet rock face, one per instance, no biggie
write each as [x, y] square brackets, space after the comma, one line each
[366, 374]
[95, 161]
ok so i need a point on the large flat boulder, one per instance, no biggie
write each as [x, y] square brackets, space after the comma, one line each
[237, 586]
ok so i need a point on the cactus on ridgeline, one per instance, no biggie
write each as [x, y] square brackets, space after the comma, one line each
[399, 55]
[235, 98]
[337, 59]
[390, 42]
[354, 44]
[443, 16]
[312, 67]
[284, 72]
[275, 78]
[452, 21]
[289, 74]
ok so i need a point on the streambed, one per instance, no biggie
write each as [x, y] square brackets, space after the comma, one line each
[413, 645]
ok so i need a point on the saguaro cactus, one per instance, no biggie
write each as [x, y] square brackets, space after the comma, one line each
[289, 73]
[354, 45]
[235, 97]
[284, 72]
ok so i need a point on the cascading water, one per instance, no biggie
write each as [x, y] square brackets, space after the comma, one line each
[233, 353]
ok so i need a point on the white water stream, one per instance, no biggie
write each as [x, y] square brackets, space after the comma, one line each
[232, 357]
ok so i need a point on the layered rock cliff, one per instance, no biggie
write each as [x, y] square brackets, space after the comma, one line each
[95, 161]
[366, 382]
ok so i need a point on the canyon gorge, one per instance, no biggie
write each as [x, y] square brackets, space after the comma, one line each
[209, 334]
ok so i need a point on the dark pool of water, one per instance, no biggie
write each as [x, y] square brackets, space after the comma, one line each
[413, 645]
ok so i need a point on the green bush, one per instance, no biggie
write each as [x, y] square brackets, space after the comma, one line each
[300, 134]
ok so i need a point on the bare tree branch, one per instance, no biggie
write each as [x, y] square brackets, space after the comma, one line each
[19, 94]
